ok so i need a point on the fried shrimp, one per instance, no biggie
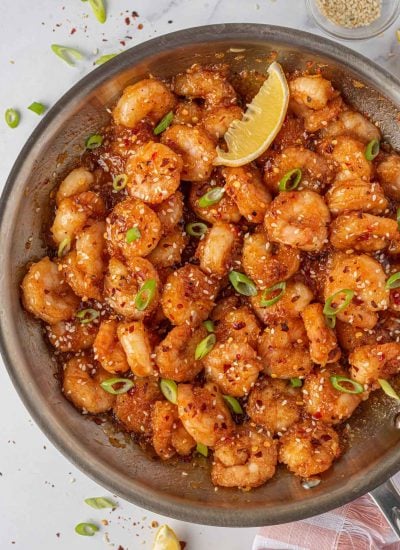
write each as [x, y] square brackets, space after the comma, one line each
[352, 124]
[362, 232]
[224, 210]
[169, 249]
[169, 435]
[356, 194]
[219, 248]
[68, 336]
[323, 344]
[170, 212]
[217, 121]
[312, 91]
[368, 363]
[389, 176]
[108, 349]
[78, 181]
[135, 341]
[237, 324]
[348, 154]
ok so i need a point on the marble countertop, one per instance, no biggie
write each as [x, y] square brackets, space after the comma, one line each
[41, 493]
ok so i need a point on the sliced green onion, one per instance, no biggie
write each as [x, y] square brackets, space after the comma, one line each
[119, 182]
[209, 325]
[86, 316]
[64, 247]
[99, 10]
[393, 281]
[146, 294]
[330, 311]
[205, 346]
[337, 382]
[211, 197]
[12, 118]
[372, 149]
[66, 53]
[233, 403]
[330, 320]
[132, 235]
[196, 229]
[169, 390]
[104, 58]
[164, 123]
[398, 218]
[265, 302]
[202, 449]
[86, 529]
[242, 284]
[296, 382]
[290, 180]
[93, 141]
[100, 502]
[37, 108]
[388, 389]
[108, 385]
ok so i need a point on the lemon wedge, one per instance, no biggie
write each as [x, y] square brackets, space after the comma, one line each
[166, 539]
[248, 138]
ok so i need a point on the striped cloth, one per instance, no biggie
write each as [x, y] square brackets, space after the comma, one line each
[358, 525]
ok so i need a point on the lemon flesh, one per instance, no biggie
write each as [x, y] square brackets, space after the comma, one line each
[166, 539]
[248, 138]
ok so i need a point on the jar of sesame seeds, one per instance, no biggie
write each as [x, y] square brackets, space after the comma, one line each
[353, 19]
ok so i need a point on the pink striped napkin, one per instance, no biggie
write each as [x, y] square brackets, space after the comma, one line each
[355, 526]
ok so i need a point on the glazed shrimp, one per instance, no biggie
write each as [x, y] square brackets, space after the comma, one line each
[233, 367]
[121, 286]
[275, 405]
[298, 219]
[175, 355]
[188, 112]
[224, 306]
[309, 448]
[195, 147]
[188, 296]
[169, 435]
[108, 349]
[389, 176]
[362, 232]
[356, 194]
[312, 91]
[238, 324]
[169, 250]
[170, 212]
[217, 121]
[348, 154]
[135, 341]
[245, 186]
[355, 125]
[204, 414]
[153, 173]
[351, 337]
[246, 459]
[218, 249]
[127, 215]
[323, 402]
[368, 363]
[81, 385]
[72, 335]
[147, 98]
[267, 263]
[323, 344]
[46, 295]
[133, 409]
[77, 181]
[315, 120]
[284, 350]
[224, 210]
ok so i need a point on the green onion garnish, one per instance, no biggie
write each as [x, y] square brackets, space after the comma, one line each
[296, 382]
[388, 389]
[268, 302]
[37, 108]
[233, 404]
[372, 149]
[211, 197]
[126, 385]
[205, 346]
[169, 390]
[242, 284]
[146, 294]
[99, 10]
[209, 325]
[393, 281]
[337, 382]
[133, 234]
[93, 141]
[196, 229]
[86, 529]
[100, 502]
[164, 123]
[86, 316]
[66, 53]
[64, 247]
[290, 180]
[119, 182]
[12, 118]
[330, 311]
[105, 58]
[398, 217]
[330, 320]
[202, 449]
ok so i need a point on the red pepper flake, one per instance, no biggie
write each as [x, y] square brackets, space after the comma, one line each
[73, 31]
[122, 42]
[135, 14]
[127, 21]
[140, 26]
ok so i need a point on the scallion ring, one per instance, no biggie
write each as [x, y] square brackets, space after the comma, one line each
[37, 108]
[65, 53]
[169, 390]
[338, 381]
[119, 182]
[146, 294]
[213, 196]
[86, 316]
[388, 389]
[12, 118]
[398, 217]
[124, 385]
[196, 229]
[94, 141]
[99, 10]
[205, 346]
[296, 382]
[105, 58]
[64, 247]
[132, 235]
[202, 449]
[163, 124]
[290, 180]
[393, 281]
[330, 311]
[242, 284]
[209, 325]
[372, 149]
[86, 529]
[100, 502]
[330, 320]
[268, 302]
[233, 404]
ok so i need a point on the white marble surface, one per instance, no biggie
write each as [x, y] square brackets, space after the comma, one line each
[41, 494]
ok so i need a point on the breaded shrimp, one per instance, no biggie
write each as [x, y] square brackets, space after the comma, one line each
[218, 249]
[323, 344]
